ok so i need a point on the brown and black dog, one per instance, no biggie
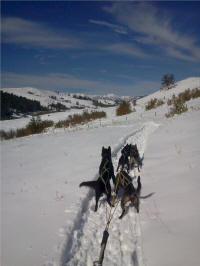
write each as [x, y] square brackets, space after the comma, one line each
[130, 157]
[106, 172]
[124, 181]
[134, 157]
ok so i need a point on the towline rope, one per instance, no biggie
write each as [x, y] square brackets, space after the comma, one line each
[99, 262]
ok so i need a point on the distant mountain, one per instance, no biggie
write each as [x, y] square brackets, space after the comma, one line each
[111, 98]
[50, 98]
[71, 101]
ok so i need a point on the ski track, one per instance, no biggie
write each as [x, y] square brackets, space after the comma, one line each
[124, 245]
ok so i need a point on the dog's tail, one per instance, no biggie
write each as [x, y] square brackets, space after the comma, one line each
[91, 184]
[139, 186]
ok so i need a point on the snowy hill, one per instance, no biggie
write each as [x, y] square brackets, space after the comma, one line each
[46, 97]
[70, 100]
[47, 220]
[75, 103]
[181, 86]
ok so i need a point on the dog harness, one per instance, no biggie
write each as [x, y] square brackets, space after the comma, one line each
[125, 181]
[105, 169]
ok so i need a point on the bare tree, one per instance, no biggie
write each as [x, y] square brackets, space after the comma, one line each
[168, 81]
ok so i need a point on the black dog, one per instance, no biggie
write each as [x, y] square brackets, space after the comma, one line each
[126, 149]
[123, 161]
[130, 193]
[106, 172]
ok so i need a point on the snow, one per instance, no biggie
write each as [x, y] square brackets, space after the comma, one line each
[47, 97]
[22, 122]
[171, 236]
[47, 220]
[181, 86]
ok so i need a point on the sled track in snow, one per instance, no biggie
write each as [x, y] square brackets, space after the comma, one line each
[124, 246]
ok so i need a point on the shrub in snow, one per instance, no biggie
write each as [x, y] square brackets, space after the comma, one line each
[177, 108]
[7, 135]
[195, 93]
[189, 94]
[35, 126]
[21, 132]
[123, 109]
[80, 119]
[153, 103]
[184, 96]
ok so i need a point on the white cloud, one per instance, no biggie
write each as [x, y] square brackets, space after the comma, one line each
[155, 28]
[32, 34]
[56, 81]
[116, 28]
[179, 54]
[51, 81]
[124, 49]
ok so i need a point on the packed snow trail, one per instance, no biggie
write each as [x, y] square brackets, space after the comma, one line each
[124, 245]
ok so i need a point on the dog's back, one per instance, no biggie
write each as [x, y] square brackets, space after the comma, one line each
[123, 161]
[131, 194]
[106, 169]
[134, 152]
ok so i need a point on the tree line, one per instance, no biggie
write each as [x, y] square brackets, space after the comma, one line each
[11, 103]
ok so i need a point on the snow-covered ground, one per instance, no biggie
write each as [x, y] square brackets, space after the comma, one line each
[181, 86]
[22, 122]
[170, 218]
[71, 101]
[47, 220]
[46, 97]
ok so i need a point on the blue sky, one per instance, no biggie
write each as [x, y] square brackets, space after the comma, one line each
[99, 47]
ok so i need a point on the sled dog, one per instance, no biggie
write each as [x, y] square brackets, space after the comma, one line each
[106, 172]
[124, 181]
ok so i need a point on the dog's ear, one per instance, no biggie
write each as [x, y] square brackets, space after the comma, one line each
[103, 148]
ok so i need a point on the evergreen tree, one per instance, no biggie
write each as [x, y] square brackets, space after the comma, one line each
[12, 103]
[168, 81]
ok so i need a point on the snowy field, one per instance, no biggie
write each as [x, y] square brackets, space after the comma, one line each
[22, 122]
[47, 220]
